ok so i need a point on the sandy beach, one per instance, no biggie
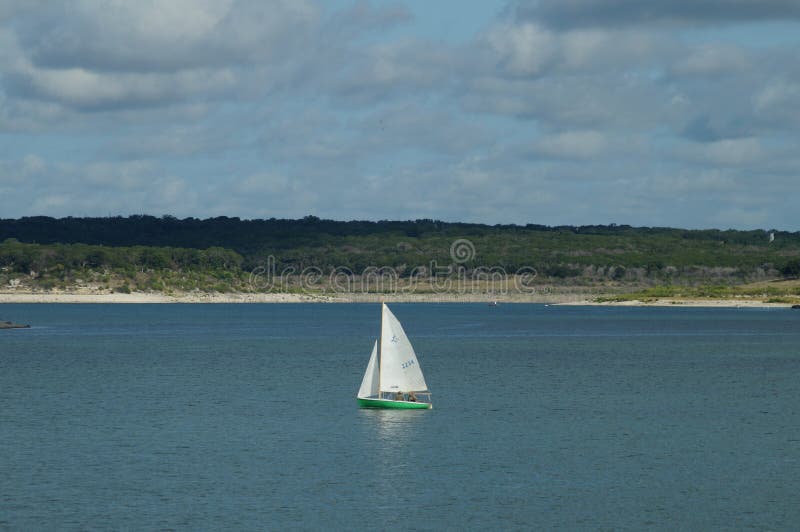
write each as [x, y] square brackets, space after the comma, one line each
[154, 297]
[91, 296]
[676, 302]
[204, 297]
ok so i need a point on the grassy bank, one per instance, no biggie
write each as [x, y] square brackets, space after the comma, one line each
[777, 291]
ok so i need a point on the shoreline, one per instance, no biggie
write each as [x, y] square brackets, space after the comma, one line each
[679, 302]
[574, 299]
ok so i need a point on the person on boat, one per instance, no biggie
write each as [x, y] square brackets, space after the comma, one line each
[398, 396]
[412, 397]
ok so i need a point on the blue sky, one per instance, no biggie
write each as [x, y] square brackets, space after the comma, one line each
[664, 113]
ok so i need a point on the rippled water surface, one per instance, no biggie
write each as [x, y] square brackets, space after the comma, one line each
[243, 416]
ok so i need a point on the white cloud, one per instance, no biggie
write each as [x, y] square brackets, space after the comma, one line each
[685, 184]
[128, 175]
[169, 191]
[266, 183]
[777, 103]
[30, 167]
[83, 89]
[90, 55]
[151, 35]
[525, 49]
[713, 59]
[572, 145]
[51, 202]
[612, 50]
[733, 152]
[33, 164]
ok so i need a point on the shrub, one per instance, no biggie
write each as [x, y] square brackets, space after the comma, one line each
[124, 289]
[791, 269]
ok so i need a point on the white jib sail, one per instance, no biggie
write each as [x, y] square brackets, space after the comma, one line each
[399, 368]
[369, 385]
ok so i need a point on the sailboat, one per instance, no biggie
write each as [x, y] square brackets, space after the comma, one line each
[393, 378]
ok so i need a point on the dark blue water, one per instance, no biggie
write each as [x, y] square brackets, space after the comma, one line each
[244, 417]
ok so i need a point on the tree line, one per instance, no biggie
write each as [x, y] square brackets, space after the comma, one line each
[222, 246]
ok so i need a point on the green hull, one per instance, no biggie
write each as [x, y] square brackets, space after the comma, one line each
[388, 403]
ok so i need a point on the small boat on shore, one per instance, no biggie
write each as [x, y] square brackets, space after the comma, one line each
[10, 325]
[393, 378]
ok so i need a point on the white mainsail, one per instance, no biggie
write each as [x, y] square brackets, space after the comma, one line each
[399, 368]
[369, 385]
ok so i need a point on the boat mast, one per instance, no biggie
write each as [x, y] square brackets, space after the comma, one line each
[380, 341]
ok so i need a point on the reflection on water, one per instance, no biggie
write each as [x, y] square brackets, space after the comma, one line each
[396, 438]
[394, 427]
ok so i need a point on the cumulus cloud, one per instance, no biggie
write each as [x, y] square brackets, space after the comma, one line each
[86, 90]
[524, 49]
[152, 36]
[604, 50]
[90, 55]
[556, 111]
[528, 50]
[388, 72]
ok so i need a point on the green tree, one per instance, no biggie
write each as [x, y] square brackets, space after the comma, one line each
[791, 269]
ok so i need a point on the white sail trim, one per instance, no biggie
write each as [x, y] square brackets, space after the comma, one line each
[399, 367]
[369, 385]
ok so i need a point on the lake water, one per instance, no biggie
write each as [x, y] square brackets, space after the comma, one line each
[244, 417]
